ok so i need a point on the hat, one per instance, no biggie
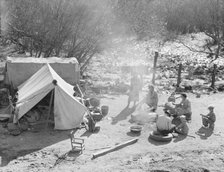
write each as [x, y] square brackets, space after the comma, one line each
[183, 118]
[211, 107]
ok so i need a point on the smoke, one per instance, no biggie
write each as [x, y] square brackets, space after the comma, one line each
[113, 26]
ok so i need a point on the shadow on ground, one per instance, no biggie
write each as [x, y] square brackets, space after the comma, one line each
[29, 142]
[88, 133]
[204, 133]
[123, 115]
[68, 156]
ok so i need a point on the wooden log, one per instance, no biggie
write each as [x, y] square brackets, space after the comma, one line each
[154, 67]
[179, 75]
[119, 146]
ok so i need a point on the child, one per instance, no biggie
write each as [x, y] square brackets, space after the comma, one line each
[134, 90]
[182, 128]
[209, 119]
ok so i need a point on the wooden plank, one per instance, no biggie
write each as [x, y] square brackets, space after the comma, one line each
[119, 146]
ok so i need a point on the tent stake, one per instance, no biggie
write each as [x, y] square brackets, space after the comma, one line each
[49, 110]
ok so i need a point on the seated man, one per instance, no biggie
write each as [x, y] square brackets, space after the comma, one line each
[182, 128]
[164, 124]
[184, 107]
[209, 119]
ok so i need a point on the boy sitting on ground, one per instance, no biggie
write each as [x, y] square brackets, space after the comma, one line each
[182, 128]
[209, 119]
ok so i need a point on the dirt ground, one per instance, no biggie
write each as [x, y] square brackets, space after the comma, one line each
[48, 150]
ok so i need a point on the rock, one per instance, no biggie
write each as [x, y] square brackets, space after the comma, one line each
[24, 126]
[12, 126]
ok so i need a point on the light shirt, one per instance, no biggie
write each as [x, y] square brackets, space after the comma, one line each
[164, 122]
[152, 99]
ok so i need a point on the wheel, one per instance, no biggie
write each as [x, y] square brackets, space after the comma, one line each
[160, 138]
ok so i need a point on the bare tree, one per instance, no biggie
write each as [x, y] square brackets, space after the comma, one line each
[205, 16]
[56, 28]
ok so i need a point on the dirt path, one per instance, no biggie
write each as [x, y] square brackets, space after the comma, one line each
[43, 151]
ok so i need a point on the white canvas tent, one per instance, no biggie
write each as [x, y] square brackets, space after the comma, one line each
[68, 111]
[19, 69]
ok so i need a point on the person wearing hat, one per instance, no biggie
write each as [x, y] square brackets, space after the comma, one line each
[182, 128]
[209, 119]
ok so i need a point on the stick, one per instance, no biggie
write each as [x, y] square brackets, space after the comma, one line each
[191, 136]
[119, 146]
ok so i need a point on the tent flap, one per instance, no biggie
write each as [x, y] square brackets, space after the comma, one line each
[67, 112]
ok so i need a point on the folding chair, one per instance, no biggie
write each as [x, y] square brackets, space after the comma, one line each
[76, 143]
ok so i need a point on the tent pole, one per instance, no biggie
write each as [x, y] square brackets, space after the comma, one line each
[50, 107]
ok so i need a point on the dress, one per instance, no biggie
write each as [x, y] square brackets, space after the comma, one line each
[135, 87]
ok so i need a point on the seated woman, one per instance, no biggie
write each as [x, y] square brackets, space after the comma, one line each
[150, 100]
